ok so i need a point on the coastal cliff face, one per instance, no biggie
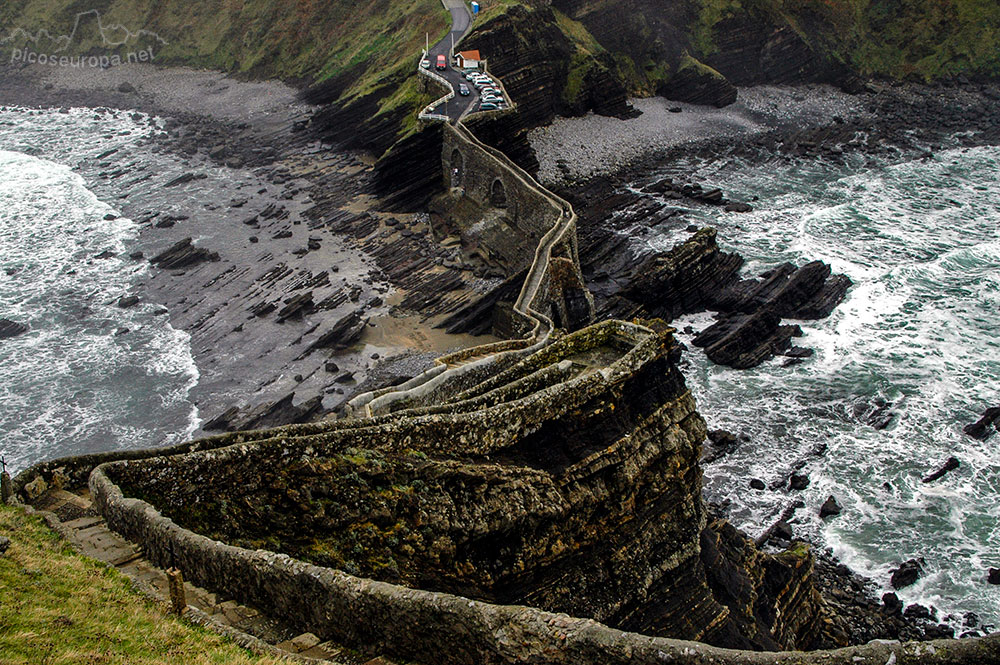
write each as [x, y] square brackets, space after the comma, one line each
[570, 482]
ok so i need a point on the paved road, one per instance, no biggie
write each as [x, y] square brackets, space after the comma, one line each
[461, 20]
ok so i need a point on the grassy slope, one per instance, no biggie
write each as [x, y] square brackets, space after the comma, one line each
[926, 39]
[59, 608]
[290, 39]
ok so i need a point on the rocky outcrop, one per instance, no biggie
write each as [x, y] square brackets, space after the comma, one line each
[525, 489]
[182, 255]
[696, 83]
[983, 428]
[548, 70]
[280, 412]
[10, 328]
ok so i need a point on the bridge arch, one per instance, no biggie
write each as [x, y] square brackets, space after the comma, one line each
[457, 168]
[498, 194]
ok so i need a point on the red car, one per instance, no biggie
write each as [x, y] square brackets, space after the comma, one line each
[441, 62]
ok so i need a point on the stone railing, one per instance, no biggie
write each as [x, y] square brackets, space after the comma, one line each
[426, 114]
[435, 627]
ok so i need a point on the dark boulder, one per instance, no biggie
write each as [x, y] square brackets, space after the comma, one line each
[950, 465]
[891, 604]
[830, 507]
[916, 611]
[757, 484]
[993, 576]
[4, 544]
[782, 530]
[182, 255]
[10, 328]
[907, 574]
[128, 301]
[798, 481]
[746, 340]
[939, 631]
[985, 426]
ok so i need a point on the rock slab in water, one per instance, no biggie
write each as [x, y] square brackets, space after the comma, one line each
[830, 507]
[993, 576]
[10, 328]
[907, 574]
[985, 426]
[949, 465]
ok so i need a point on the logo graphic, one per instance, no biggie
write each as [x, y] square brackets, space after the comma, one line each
[90, 43]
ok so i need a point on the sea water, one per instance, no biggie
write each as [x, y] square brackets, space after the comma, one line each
[88, 375]
[919, 330]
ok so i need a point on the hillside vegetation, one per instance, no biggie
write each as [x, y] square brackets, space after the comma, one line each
[366, 46]
[922, 39]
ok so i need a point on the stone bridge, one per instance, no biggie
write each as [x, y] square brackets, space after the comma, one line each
[504, 216]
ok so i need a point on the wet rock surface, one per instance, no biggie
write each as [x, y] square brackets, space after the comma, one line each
[630, 279]
[10, 328]
[986, 426]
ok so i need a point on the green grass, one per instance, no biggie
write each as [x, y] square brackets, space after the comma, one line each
[59, 608]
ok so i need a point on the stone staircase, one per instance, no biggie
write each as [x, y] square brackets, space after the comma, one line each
[73, 516]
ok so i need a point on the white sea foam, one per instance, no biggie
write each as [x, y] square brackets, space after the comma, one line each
[88, 375]
[918, 329]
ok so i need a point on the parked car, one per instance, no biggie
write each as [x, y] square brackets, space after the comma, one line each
[425, 63]
[487, 106]
[463, 90]
[442, 62]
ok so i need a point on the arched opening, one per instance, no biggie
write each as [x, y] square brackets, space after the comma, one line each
[457, 168]
[498, 195]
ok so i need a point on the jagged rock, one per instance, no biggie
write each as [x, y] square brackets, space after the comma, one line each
[685, 279]
[830, 507]
[798, 481]
[891, 604]
[809, 292]
[951, 464]
[272, 414]
[344, 377]
[344, 332]
[697, 83]
[182, 255]
[186, 178]
[746, 340]
[939, 631]
[782, 530]
[916, 611]
[908, 573]
[10, 328]
[296, 306]
[35, 488]
[985, 426]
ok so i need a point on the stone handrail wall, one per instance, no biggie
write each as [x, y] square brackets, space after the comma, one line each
[425, 114]
[443, 628]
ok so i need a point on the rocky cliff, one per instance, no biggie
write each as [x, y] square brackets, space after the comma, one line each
[568, 482]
